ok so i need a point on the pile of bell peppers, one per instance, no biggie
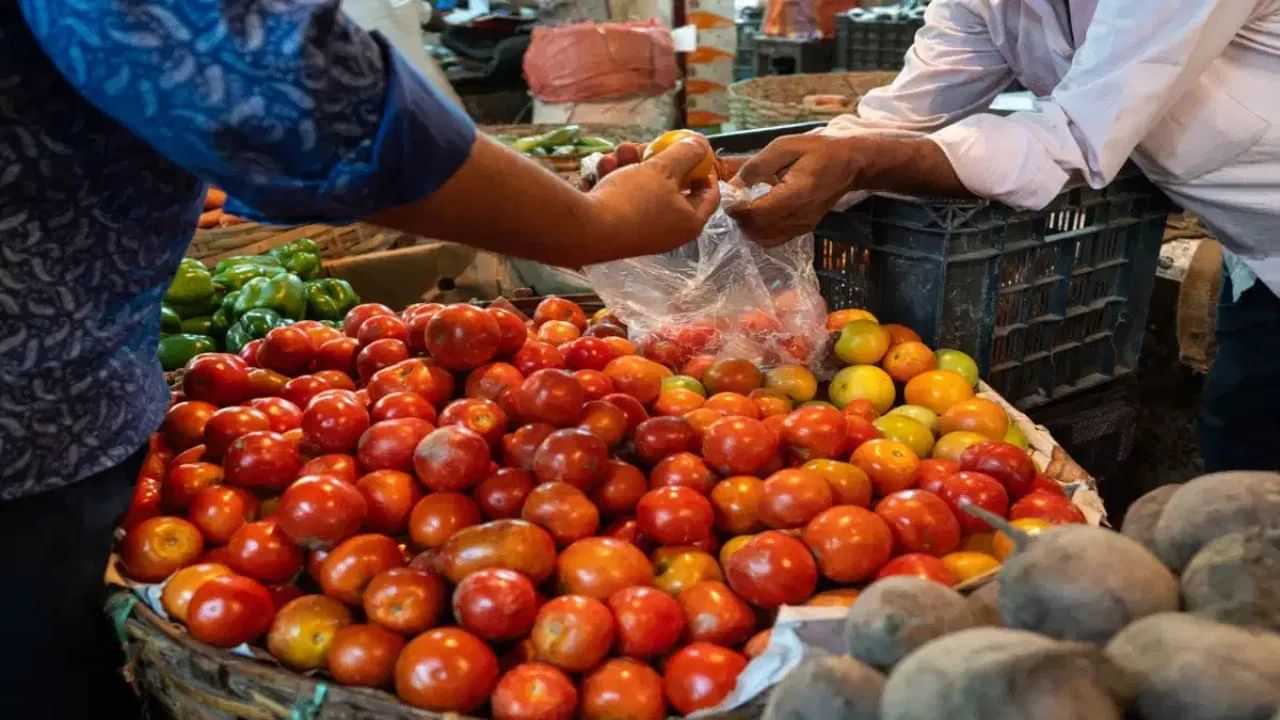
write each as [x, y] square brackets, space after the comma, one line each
[245, 297]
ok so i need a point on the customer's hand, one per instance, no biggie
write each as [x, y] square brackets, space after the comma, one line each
[643, 209]
[631, 153]
[809, 174]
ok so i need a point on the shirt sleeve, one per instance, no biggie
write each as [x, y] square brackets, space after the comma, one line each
[289, 106]
[952, 71]
[1139, 57]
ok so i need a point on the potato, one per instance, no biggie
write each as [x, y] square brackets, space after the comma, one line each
[1000, 674]
[1212, 506]
[898, 614]
[984, 603]
[1140, 520]
[830, 687]
[1190, 668]
[1236, 580]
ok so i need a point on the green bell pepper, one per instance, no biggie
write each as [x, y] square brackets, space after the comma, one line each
[219, 322]
[202, 325]
[170, 321]
[260, 260]
[191, 284]
[300, 257]
[175, 350]
[237, 337]
[254, 324]
[284, 294]
[235, 277]
[229, 303]
[203, 306]
[330, 299]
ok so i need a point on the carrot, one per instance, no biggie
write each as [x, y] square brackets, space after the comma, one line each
[228, 219]
[209, 219]
[214, 199]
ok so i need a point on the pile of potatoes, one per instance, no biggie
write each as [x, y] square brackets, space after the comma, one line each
[1176, 616]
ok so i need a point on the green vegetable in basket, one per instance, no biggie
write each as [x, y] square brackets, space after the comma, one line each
[200, 325]
[170, 321]
[300, 257]
[191, 284]
[175, 350]
[254, 324]
[284, 294]
[234, 277]
[330, 299]
[203, 306]
[592, 144]
[219, 322]
[228, 263]
[542, 144]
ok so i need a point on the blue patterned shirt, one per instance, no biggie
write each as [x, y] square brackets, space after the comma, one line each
[113, 116]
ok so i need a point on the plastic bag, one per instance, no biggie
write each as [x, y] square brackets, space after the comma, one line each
[722, 295]
[588, 61]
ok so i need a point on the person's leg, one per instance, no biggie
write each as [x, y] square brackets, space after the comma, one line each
[65, 660]
[1240, 420]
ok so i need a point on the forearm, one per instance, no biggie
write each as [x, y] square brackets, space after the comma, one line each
[910, 166]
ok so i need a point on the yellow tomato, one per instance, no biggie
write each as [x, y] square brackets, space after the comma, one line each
[839, 318]
[676, 568]
[705, 168]
[969, 565]
[863, 382]
[920, 414]
[906, 431]
[1003, 544]
[1014, 436]
[862, 342]
[793, 381]
[938, 390]
[952, 445]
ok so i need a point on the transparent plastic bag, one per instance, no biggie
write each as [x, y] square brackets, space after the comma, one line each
[722, 295]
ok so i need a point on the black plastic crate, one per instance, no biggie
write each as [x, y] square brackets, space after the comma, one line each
[876, 38]
[1099, 430]
[785, 56]
[1049, 303]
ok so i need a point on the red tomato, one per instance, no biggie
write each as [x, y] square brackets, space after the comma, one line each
[519, 447]
[451, 458]
[282, 414]
[333, 425]
[675, 516]
[621, 486]
[156, 548]
[931, 473]
[229, 610]
[262, 460]
[502, 494]
[772, 569]
[557, 308]
[379, 354]
[573, 632]
[512, 333]
[739, 446]
[483, 417]
[407, 376]
[659, 437]
[714, 613]
[319, 511]
[390, 496]
[534, 691]
[351, 566]
[390, 444]
[649, 621]
[918, 565]
[301, 390]
[439, 515]
[339, 465]
[572, 456]
[249, 353]
[595, 384]
[462, 337]
[622, 689]
[700, 675]
[1044, 483]
[185, 422]
[563, 510]
[364, 655]
[631, 407]
[405, 600]
[1009, 464]
[446, 670]
[262, 551]
[791, 498]
[230, 423]
[496, 604]
[598, 567]
[357, 316]
[604, 420]
[287, 350]
[536, 355]
[337, 354]
[850, 543]
[220, 511]
[182, 482]
[815, 432]
[397, 405]
[1057, 509]
[379, 327]
[683, 469]
[973, 487]
[488, 382]
[859, 430]
[554, 397]
[587, 353]
[219, 379]
[921, 522]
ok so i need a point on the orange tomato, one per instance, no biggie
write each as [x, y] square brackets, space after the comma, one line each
[978, 415]
[732, 546]
[180, 588]
[621, 346]
[704, 168]
[841, 597]
[849, 484]
[982, 542]
[966, 565]
[1003, 544]
[838, 319]
[793, 381]
[889, 464]
[733, 404]
[702, 418]
[938, 390]
[677, 401]
[637, 377]
[771, 402]
[908, 359]
[899, 334]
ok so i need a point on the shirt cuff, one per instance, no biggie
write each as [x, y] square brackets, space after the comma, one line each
[998, 158]
[421, 141]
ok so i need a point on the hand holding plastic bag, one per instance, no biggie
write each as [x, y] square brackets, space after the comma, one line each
[722, 295]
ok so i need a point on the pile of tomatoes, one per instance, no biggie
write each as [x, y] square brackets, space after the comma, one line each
[471, 507]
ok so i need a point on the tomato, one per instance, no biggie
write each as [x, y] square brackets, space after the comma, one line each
[287, 350]
[451, 458]
[1004, 462]
[439, 516]
[319, 511]
[331, 424]
[156, 548]
[931, 473]
[849, 484]
[595, 384]
[551, 396]
[740, 376]
[658, 437]
[229, 610]
[733, 404]
[391, 496]
[682, 567]
[938, 390]
[262, 551]
[952, 446]
[262, 460]
[379, 327]
[700, 675]
[918, 565]
[889, 464]
[965, 566]
[446, 670]
[378, 355]
[850, 543]
[563, 510]
[837, 319]
[921, 522]
[906, 360]
[649, 621]
[628, 530]
[337, 354]
[536, 355]
[364, 655]
[598, 567]
[622, 689]
[462, 337]
[1057, 509]
[405, 600]
[184, 423]
[519, 447]
[771, 402]
[352, 565]
[677, 401]
[483, 417]
[573, 632]
[862, 408]
[906, 430]
[180, 588]
[714, 613]
[604, 420]
[792, 381]
[511, 331]
[738, 446]
[863, 383]
[339, 465]
[793, 497]
[281, 414]
[502, 494]
[1044, 483]
[496, 604]
[512, 544]
[638, 377]
[301, 390]
[557, 308]
[303, 629]
[815, 432]
[683, 469]
[772, 569]
[219, 511]
[390, 444]
[182, 482]
[534, 691]
[981, 490]
[572, 456]
[359, 314]
[979, 415]
[249, 353]
[219, 379]
[736, 502]
[488, 382]
[1003, 546]
[859, 431]
[229, 423]
[675, 516]
[842, 598]
[631, 407]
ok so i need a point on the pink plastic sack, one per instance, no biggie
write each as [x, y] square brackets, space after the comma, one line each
[722, 295]
[588, 61]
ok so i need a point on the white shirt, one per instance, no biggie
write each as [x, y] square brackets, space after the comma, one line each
[1190, 89]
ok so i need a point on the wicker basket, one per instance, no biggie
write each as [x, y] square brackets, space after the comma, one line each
[778, 99]
[568, 165]
[210, 246]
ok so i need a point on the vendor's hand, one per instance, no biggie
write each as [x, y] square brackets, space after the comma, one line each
[642, 209]
[809, 174]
